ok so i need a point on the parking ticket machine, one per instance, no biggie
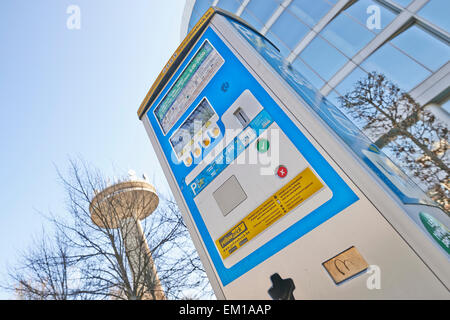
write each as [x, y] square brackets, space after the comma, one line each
[283, 196]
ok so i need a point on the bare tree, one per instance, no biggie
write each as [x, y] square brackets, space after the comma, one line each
[45, 271]
[412, 134]
[87, 260]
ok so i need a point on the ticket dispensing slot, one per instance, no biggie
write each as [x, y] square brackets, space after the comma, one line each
[242, 117]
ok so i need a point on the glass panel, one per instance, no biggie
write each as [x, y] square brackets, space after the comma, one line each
[262, 10]
[201, 6]
[359, 11]
[333, 97]
[308, 73]
[397, 67]
[194, 19]
[347, 85]
[446, 106]
[308, 12]
[199, 9]
[403, 3]
[279, 44]
[229, 5]
[250, 18]
[437, 11]
[323, 58]
[347, 34]
[423, 47]
[289, 29]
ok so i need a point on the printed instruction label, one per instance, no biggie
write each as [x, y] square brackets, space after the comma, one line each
[300, 188]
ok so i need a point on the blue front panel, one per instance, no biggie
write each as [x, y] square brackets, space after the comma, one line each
[227, 84]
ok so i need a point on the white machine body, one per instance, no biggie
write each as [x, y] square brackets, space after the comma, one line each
[283, 196]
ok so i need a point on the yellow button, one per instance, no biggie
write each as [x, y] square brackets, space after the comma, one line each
[197, 152]
[215, 131]
[206, 141]
[188, 161]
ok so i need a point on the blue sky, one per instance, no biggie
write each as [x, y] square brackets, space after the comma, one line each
[74, 93]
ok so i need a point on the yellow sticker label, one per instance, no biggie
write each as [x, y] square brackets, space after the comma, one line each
[300, 188]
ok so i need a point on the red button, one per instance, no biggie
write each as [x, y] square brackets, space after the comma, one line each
[282, 171]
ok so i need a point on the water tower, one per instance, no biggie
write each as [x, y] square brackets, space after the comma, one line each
[122, 205]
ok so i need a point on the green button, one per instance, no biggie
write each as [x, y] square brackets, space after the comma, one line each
[437, 230]
[262, 145]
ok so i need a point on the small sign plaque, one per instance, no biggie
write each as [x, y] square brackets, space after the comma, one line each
[345, 265]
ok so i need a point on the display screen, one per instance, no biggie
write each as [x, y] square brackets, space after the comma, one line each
[186, 88]
[198, 120]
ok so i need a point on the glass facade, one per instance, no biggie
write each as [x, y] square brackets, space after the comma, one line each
[252, 19]
[398, 67]
[347, 84]
[364, 10]
[320, 37]
[263, 10]
[403, 3]
[351, 41]
[230, 5]
[323, 57]
[436, 12]
[289, 21]
[335, 43]
[311, 15]
[308, 72]
[423, 47]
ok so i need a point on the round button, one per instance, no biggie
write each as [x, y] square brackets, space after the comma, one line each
[215, 132]
[197, 152]
[187, 161]
[282, 171]
[262, 145]
[206, 141]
